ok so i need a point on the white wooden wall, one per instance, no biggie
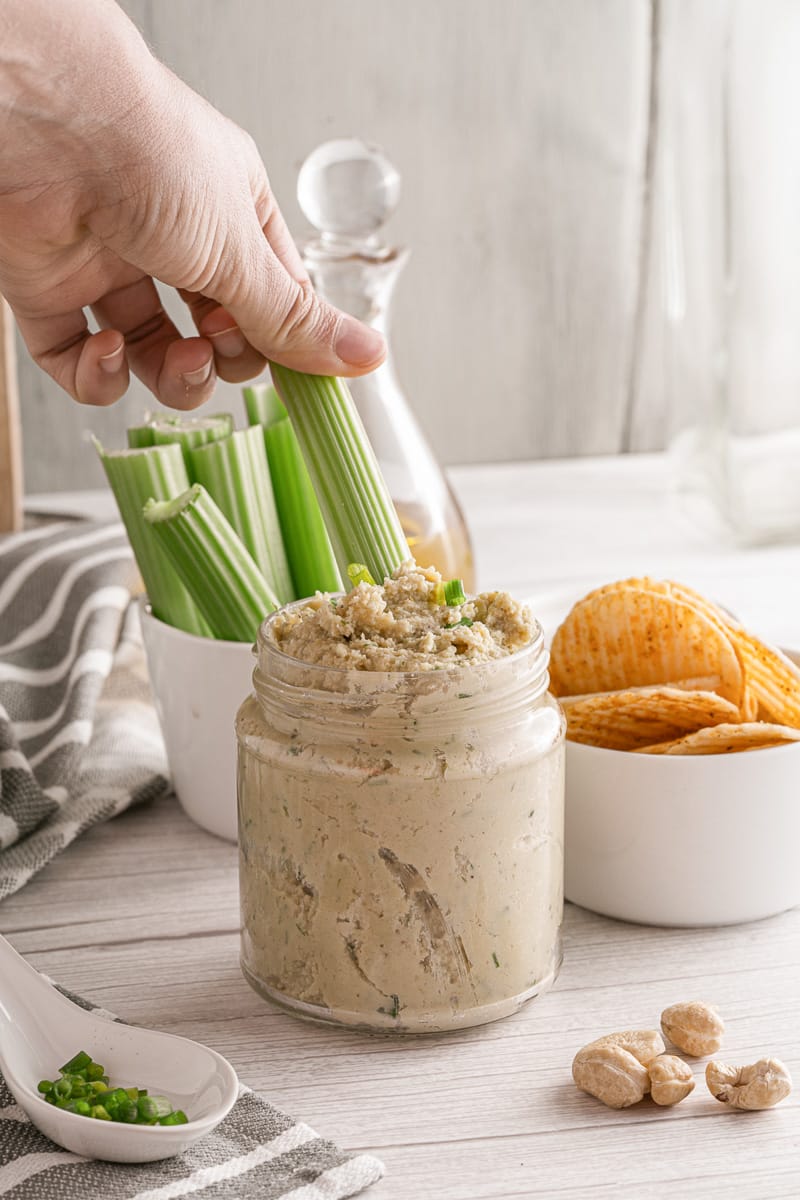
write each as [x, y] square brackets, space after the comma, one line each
[522, 129]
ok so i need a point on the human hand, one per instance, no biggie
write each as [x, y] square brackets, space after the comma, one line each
[113, 174]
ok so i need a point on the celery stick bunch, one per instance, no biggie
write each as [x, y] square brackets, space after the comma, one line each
[228, 524]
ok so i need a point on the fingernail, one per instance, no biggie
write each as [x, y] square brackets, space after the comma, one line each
[198, 377]
[358, 344]
[229, 343]
[111, 363]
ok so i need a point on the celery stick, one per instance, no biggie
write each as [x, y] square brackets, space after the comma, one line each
[191, 431]
[173, 427]
[308, 547]
[140, 436]
[213, 563]
[355, 502]
[235, 472]
[305, 537]
[134, 476]
[262, 404]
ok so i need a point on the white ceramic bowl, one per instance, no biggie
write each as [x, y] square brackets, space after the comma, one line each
[671, 840]
[198, 684]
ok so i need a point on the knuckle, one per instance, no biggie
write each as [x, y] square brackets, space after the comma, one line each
[305, 318]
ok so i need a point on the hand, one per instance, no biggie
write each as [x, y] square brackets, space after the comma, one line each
[114, 173]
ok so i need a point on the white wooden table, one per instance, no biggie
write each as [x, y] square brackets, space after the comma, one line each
[142, 915]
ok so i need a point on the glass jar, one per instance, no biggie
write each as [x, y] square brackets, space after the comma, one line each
[401, 840]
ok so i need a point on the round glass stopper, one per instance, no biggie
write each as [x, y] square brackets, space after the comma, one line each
[348, 189]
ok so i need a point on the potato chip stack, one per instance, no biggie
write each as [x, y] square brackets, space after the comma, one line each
[652, 666]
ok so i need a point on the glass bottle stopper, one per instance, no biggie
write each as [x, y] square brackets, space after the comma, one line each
[347, 190]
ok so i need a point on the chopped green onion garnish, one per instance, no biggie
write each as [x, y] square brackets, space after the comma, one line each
[212, 562]
[79, 1063]
[178, 1117]
[129, 1105]
[154, 1107]
[438, 593]
[356, 506]
[463, 621]
[454, 592]
[358, 573]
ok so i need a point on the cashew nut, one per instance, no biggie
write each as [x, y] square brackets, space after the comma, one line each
[761, 1085]
[670, 1079]
[694, 1027]
[643, 1044]
[610, 1073]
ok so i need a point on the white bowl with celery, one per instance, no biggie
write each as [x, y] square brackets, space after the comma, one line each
[227, 525]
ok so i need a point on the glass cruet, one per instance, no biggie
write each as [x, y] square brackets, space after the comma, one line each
[347, 190]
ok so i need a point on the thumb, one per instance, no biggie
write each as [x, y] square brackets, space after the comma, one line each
[281, 315]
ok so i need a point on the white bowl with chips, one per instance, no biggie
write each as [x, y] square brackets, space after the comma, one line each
[673, 816]
[683, 840]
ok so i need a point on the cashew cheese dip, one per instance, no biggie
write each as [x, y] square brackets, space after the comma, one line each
[401, 791]
[401, 627]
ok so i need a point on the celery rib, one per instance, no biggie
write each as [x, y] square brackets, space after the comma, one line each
[263, 405]
[134, 476]
[305, 537]
[213, 563]
[234, 471]
[357, 508]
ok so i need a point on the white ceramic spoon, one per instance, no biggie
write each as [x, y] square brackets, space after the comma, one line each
[40, 1030]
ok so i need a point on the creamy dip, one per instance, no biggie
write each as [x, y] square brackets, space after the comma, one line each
[400, 626]
[401, 830]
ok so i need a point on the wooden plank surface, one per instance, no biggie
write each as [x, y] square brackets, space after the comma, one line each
[142, 915]
[10, 431]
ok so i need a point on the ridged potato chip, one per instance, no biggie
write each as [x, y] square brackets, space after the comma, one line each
[728, 739]
[626, 652]
[749, 706]
[636, 717]
[631, 636]
[773, 679]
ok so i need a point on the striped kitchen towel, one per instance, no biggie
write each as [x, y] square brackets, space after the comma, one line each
[256, 1152]
[79, 737]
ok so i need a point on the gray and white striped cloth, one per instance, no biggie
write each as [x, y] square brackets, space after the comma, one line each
[79, 737]
[79, 743]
